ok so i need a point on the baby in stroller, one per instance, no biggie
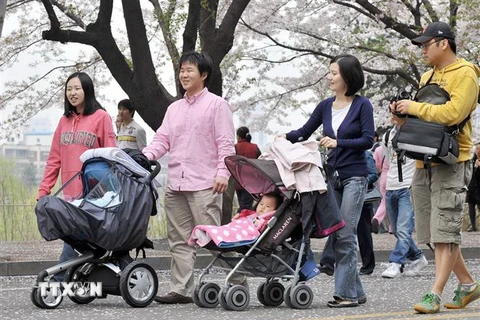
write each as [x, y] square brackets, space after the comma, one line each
[264, 210]
[279, 252]
[244, 229]
[103, 224]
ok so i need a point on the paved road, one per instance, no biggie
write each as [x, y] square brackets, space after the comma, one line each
[387, 299]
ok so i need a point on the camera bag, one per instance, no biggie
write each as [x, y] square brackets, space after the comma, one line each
[428, 141]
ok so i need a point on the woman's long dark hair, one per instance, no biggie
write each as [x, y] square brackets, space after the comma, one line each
[91, 103]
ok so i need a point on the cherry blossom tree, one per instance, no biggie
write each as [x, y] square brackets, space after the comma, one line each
[295, 40]
[270, 56]
[140, 51]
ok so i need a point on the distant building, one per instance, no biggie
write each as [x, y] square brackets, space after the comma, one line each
[29, 152]
[28, 149]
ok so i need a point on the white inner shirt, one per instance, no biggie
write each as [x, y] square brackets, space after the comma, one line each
[338, 116]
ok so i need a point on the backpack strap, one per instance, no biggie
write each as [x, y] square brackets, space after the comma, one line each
[387, 136]
[400, 160]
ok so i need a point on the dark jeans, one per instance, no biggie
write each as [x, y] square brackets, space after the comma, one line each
[364, 236]
[68, 253]
[245, 200]
[473, 215]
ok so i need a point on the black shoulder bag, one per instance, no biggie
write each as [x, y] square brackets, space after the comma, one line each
[428, 141]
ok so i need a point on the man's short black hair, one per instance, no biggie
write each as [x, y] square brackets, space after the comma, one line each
[202, 61]
[126, 103]
[351, 72]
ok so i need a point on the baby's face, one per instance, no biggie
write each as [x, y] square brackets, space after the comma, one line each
[267, 204]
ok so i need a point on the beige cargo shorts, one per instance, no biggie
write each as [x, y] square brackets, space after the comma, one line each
[438, 202]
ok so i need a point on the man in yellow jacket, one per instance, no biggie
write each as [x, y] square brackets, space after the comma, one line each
[438, 198]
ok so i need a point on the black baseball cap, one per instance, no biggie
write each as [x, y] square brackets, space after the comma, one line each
[435, 29]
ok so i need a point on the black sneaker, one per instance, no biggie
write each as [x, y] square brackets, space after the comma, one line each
[325, 269]
[365, 272]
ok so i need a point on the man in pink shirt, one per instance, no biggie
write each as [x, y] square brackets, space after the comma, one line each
[198, 133]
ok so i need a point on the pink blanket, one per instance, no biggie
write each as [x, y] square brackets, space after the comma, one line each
[239, 232]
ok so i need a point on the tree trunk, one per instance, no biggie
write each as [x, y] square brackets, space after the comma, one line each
[148, 95]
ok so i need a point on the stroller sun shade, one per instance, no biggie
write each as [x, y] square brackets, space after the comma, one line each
[256, 176]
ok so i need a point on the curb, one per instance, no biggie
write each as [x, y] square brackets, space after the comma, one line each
[30, 268]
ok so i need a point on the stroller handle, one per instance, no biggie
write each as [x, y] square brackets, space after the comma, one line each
[155, 171]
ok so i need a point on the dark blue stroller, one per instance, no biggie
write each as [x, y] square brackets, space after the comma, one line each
[108, 220]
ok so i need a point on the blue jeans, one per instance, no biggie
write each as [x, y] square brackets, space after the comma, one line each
[348, 285]
[400, 214]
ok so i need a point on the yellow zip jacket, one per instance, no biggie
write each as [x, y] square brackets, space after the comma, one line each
[460, 80]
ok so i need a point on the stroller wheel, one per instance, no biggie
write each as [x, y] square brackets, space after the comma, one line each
[237, 298]
[286, 297]
[195, 296]
[301, 296]
[138, 284]
[82, 293]
[274, 294]
[261, 294]
[222, 297]
[208, 295]
[33, 298]
[49, 301]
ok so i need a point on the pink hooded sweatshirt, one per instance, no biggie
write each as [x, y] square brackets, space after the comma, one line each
[72, 137]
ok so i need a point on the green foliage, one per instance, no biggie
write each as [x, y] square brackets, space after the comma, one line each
[17, 203]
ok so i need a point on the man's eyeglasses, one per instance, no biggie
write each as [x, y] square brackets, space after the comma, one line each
[424, 46]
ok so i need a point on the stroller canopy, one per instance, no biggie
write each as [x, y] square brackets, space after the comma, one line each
[256, 176]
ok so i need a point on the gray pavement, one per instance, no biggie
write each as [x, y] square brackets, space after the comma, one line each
[387, 298]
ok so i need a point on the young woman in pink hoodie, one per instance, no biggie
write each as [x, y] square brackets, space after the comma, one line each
[84, 125]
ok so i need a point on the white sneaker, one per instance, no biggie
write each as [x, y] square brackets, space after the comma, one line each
[393, 270]
[413, 268]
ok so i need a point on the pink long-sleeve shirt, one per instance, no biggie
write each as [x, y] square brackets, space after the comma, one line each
[198, 132]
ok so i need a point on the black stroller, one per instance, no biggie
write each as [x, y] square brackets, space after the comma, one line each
[110, 218]
[281, 252]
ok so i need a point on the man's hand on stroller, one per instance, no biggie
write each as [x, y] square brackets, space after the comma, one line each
[220, 185]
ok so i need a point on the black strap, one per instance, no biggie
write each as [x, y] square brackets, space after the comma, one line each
[429, 79]
[400, 160]
[427, 165]
[387, 136]
[456, 128]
